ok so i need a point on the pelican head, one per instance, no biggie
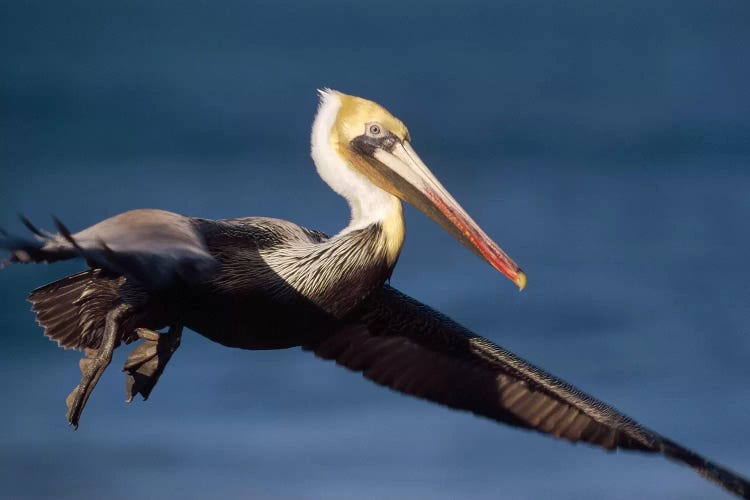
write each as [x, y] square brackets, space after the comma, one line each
[364, 153]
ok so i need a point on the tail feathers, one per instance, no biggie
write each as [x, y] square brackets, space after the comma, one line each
[43, 247]
[725, 478]
[72, 310]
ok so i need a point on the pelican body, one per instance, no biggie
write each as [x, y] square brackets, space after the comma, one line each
[263, 283]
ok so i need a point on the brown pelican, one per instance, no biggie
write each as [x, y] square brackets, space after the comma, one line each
[262, 283]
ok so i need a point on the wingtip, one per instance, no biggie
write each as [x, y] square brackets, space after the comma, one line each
[65, 232]
[31, 227]
[60, 226]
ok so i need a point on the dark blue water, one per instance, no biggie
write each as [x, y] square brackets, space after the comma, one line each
[604, 145]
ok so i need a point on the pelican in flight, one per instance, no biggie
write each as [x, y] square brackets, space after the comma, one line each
[263, 283]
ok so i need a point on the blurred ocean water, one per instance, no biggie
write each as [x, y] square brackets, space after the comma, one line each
[604, 146]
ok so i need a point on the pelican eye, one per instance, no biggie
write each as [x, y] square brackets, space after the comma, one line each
[374, 130]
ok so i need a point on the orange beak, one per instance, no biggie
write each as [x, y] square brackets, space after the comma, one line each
[401, 172]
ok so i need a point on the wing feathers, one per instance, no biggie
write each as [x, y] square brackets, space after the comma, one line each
[397, 342]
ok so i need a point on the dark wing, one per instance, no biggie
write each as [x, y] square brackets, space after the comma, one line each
[151, 247]
[403, 344]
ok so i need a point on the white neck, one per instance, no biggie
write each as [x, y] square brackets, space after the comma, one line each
[368, 203]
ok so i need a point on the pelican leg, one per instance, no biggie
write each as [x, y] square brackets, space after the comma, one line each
[146, 363]
[94, 364]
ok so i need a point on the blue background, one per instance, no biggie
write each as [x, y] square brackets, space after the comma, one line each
[605, 146]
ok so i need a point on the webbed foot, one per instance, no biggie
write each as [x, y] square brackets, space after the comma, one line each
[146, 363]
[93, 365]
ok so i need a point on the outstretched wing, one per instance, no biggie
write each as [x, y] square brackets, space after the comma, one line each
[151, 247]
[400, 343]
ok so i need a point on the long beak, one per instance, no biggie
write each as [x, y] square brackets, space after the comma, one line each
[401, 172]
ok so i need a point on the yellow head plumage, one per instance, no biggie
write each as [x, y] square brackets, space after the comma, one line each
[353, 116]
